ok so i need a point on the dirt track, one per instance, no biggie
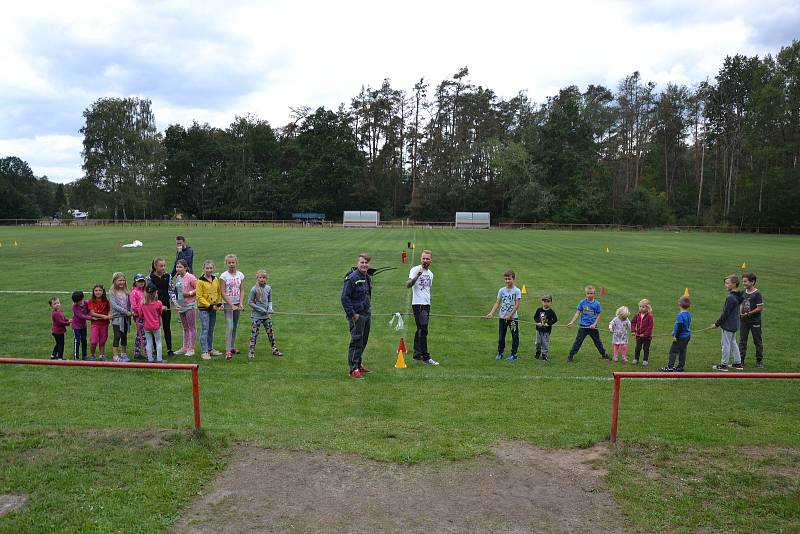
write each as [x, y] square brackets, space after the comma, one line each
[515, 488]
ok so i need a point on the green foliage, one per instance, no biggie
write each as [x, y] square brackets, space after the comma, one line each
[641, 207]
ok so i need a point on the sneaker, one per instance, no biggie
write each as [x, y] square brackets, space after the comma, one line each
[102, 358]
[363, 369]
[170, 353]
[498, 357]
[276, 352]
[738, 366]
[537, 355]
[355, 373]
[606, 356]
[124, 359]
[569, 359]
[644, 363]
[624, 359]
[251, 355]
[634, 362]
[236, 351]
[544, 359]
[116, 359]
[180, 352]
[190, 354]
[205, 356]
[720, 367]
[228, 356]
[430, 361]
[678, 369]
[760, 365]
[615, 358]
[667, 370]
[215, 352]
[511, 358]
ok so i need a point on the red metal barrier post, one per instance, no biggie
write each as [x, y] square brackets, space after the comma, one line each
[193, 367]
[619, 375]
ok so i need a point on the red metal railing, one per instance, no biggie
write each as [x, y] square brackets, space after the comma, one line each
[618, 376]
[193, 367]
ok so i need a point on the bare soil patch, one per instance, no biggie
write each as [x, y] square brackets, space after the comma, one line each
[515, 488]
[9, 503]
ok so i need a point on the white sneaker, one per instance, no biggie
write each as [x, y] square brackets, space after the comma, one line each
[430, 361]
[180, 352]
[190, 354]
[215, 352]
[205, 356]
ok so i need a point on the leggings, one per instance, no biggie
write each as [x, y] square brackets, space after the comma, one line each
[139, 343]
[58, 350]
[120, 337]
[189, 330]
[257, 323]
[79, 342]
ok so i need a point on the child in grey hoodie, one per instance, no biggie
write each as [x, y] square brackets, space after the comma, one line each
[729, 322]
[260, 301]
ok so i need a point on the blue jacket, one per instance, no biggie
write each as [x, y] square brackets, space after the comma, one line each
[356, 293]
[186, 254]
[683, 325]
[729, 320]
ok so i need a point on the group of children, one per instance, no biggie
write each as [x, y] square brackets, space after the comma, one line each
[145, 309]
[741, 307]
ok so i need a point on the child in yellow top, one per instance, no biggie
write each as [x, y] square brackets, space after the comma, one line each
[209, 300]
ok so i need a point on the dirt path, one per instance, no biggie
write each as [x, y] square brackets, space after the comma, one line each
[516, 488]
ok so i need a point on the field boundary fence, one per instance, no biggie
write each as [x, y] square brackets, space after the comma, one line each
[395, 223]
[619, 375]
[193, 367]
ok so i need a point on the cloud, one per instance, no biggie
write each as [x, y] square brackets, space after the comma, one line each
[210, 61]
[56, 156]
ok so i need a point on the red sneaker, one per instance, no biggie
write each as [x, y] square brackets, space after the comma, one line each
[363, 369]
[355, 373]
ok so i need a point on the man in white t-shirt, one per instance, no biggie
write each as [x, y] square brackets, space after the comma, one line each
[420, 279]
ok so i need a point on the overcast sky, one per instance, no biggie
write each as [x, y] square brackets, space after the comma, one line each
[209, 61]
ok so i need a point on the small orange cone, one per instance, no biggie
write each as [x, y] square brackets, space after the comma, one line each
[524, 290]
[686, 292]
[602, 292]
[401, 360]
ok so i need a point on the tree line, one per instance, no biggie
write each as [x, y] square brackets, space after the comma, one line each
[725, 151]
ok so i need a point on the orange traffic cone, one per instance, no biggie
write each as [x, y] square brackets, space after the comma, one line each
[401, 360]
[602, 292]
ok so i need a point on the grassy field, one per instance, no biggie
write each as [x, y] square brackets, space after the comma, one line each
[72, 421]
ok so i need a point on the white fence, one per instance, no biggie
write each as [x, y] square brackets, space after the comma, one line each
[361, 219]
[472, 219]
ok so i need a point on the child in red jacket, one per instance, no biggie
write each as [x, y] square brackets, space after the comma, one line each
[60, 323]
[642, 328]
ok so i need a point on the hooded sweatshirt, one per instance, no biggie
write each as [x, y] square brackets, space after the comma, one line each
[261, 307]
[729, 320]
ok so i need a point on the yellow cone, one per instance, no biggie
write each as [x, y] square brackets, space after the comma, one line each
[607, 250]
[413, 246]
[15, 243]
[686, 292]
[744, 265]
[1, 244]
[524, 290]
[401, 360]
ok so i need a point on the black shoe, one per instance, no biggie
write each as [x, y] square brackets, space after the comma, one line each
[667, 370]
[569, 359]
[606, 356]
[170, 353]
[678, 369]
[759, 365]
[544, 359]
[537, 355]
